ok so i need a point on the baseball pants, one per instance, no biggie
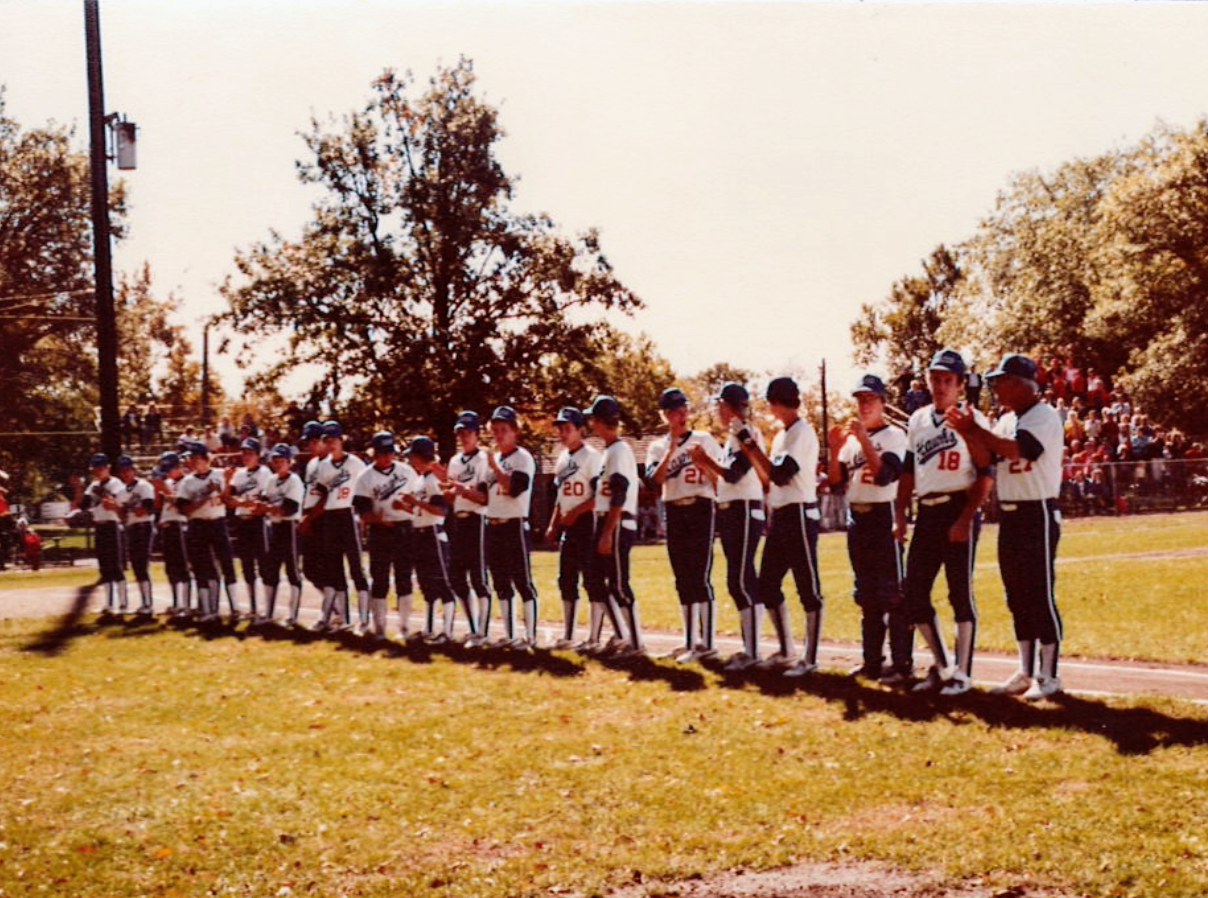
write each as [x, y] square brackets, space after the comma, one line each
[608, 575]
[138, 550]
[431, 553]
[930, 549]
[690, 548]
[282, 552]
[314, 557]
[876, 563]
[251, 546]
[740, 531]
[341, 542]
[467, 555]
[575, 550]
[172, 544]
[210, 550]
[508, 558]
[791, 545]
[110, 552]
[390, 549]
[1027, 550]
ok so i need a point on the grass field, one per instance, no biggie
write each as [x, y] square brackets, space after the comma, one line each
[146, 761]
[1125, 606]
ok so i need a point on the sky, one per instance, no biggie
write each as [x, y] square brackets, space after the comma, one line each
[756, 171]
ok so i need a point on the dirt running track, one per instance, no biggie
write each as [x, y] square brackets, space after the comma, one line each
[1080, 676]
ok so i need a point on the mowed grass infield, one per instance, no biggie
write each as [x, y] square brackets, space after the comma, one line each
[144, 760]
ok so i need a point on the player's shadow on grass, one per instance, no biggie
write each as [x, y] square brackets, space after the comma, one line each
[1134, 731]
[54, 641]
[645, 669]
[483, 657]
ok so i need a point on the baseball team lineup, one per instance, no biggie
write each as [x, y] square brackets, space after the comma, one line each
[459, 529]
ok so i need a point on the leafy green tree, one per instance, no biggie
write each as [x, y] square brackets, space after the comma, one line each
[47, 346]
[415, 287]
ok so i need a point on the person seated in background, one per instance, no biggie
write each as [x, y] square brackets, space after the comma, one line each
[916, 397]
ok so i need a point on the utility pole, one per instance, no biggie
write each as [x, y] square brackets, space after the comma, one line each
[825, 443]
[205, 376]
[106, 320]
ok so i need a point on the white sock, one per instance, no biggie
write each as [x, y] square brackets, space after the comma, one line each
[930, 632]
[363, 606]
[404, 613]
[484, 615]
[688, 612]
[270, 600]
[450, 613]
[530, 620]
[635, 626]
[568, 620]
[1027, 656]
[596, 621]
[121, 594]
[509, 618]
[965, 631]
[295, 602]
[750, 633]
[813, 634]
[1048, 659]
[144, 593]
[377, 609]
[329, 601]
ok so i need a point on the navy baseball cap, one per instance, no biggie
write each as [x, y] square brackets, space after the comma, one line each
[606, 409]
[869, 383]
[383, 441]
[671, 399]
[1016, 366]
[168, 461]
[422, 447]
[332, 429]
[734, 394]
[199, 449]
[506, 413]
[124, 461]
[467, 420]
[570, 415]
[948, 360]
[251, 444]
[282, 450]
[312, 430]
[784, 391]
[100, 460]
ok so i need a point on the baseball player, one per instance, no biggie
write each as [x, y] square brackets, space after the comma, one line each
[688, 492]
[310, 527]
[426, 501]
[465, 484]
[792, 539]
[572, 523]
[101, 498]
[740, 515]
[172, 525]
[867, 458]
[1027, 441]
[281, 504]
[245, 488]
[199, 498]
[616, 527]
[512, 472]
[335, 482]
[137, 501]
[378, 490]
[952, 479]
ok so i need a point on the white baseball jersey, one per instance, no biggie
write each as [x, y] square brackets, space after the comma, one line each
[340, 480]
[471, 471]
[575, 476]
[942, 463]
[207, 487]
[247, 484]
[168, 512]
[313, 496]
[888, 440]
[98, 490]
[134, 498]
[426, 488]
[798, 442]
[500, 504]
[617, 458]
[384, 486]
[278, 489]
[684, 479]
[748, 488]
[1022, 480]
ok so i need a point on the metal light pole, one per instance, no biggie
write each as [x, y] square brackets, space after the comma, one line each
[825, 416]
[106, 321]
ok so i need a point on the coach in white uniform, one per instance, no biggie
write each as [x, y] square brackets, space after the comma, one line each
[1028, 442]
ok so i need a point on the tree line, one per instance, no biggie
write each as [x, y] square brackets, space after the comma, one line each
[1104, 258]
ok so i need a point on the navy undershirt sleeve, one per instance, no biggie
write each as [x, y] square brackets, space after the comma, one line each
[782, 473]
[289, 506]
[362, 504]
[1029, 446]
[148, 505]
[891, 469]
[438, 501]
[518, 483]
[738, 468]
[618, 489]
[907, 464]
